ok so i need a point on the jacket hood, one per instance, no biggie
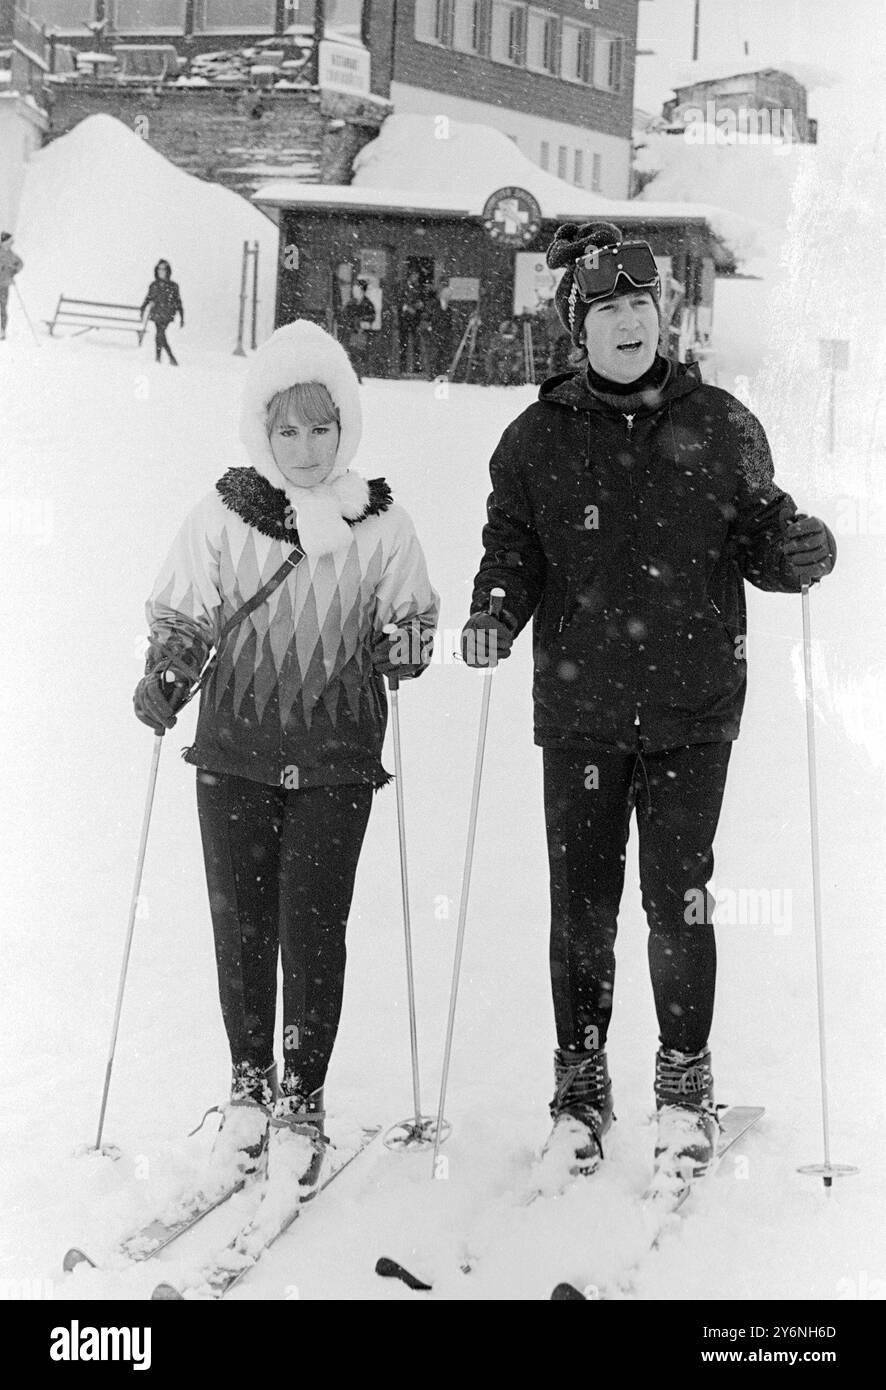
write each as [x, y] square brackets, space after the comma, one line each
[162, 261]
[572, 389]
[297, 353]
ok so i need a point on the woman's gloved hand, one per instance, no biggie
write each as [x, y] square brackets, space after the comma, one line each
[158, 696]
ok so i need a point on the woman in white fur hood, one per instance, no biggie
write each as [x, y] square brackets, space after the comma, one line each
[287, 572]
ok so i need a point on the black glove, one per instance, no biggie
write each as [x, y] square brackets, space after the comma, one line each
[809, 548]
[405, 652]
[485, 640]
[157, 697]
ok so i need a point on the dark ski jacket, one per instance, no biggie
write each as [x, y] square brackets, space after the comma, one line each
[165, 300]
[627, 526]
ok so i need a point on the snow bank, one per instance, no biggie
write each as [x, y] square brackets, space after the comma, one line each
[724, 179]
[100, 206]
[464, 162]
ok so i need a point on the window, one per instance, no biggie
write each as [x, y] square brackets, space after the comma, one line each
[579, 167]
[234, 16]
[70, 15]
[541, 35]
[147, 16]
[344, 20]
[596, 170]
[578, 42]
[562, 156]
[607, 62]
[431, 20]
[545, 158]
[506, 45]
[466, 31]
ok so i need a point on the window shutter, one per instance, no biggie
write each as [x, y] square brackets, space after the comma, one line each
[584, 55]
[615, 62]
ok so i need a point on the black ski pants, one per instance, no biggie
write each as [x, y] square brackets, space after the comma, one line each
[280, 869]
[161, 343]
[589, 798]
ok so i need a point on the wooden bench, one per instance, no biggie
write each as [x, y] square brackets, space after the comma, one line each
[88, 314]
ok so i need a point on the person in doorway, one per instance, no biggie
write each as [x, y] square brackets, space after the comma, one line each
[411, 312]
[163, 301]
[10, 265]
[292, 719]
[355, 318]
[629, 506]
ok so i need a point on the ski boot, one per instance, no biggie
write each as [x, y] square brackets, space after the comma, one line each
[581, 1111]
[241, 1144]
[686, 1143]
[298, 1141]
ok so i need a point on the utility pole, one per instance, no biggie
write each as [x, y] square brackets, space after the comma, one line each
[695, 23]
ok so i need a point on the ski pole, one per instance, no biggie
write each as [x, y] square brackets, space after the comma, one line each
[140, 861]
[26, 314]
[827, 1171]
[415, 1132]
[496, 599]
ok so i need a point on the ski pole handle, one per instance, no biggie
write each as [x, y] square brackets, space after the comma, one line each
[496, 600]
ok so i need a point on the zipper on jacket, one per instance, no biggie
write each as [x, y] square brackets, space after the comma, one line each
[630, 423]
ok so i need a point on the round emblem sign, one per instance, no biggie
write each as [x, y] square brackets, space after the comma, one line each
[511, 216]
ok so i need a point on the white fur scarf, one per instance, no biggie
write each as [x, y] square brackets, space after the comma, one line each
[300, 352]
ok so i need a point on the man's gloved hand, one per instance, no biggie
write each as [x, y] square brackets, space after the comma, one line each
[486, 640]
[403, 650]
[809, 547]
[158, 696]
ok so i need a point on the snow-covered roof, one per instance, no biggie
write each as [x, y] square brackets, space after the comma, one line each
[285, 193]
[714, 70]
[417, 165]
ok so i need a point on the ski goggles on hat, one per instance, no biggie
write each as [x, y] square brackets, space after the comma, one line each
[596, 274]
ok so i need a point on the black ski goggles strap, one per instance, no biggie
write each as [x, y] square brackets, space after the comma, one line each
[596, 273]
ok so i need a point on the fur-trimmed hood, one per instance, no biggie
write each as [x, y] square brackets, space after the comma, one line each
[300, 352]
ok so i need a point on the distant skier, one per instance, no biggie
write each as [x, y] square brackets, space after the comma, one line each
[10, 265]
[165, 302]
[292, 717]
[628, 507]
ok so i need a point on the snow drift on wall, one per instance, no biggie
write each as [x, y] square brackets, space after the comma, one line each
[100, 206]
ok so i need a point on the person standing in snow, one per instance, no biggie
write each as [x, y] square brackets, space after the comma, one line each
[628, 507]
[10, 265]
[164, 298]
[292, 716]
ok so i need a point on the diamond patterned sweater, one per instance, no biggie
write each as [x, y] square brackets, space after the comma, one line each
[293, 698]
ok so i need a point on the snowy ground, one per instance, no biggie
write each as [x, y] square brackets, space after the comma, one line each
[101, 454]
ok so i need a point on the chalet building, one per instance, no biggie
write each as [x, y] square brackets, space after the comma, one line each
[767, 99]
[556, 76]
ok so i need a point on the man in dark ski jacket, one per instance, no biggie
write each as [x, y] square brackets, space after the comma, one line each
[629, 505]
[165, 300]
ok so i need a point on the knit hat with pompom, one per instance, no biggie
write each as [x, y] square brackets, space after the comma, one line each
[570, 243]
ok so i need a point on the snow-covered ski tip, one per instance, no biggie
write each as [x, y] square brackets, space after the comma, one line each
[273, 1218]
[734, 1124]
[155, 1235]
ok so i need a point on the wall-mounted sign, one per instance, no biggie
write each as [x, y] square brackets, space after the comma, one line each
[343, 67]
[511, 216]
[534, 283]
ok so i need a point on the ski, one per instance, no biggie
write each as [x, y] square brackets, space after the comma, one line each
[392, 1269]
[734, 1124]
[155, 1235]
[245, 1249]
